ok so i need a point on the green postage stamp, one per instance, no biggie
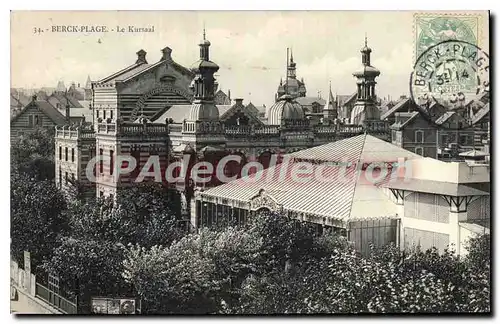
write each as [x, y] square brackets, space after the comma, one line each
[433, 28]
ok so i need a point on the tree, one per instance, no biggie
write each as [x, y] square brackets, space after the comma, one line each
[33, 153]
[36, 217]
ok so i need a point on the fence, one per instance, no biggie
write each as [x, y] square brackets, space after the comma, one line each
[54, 299]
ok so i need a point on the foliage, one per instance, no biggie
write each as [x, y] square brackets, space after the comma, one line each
[36, 217]
[33, 154]
[195, 275]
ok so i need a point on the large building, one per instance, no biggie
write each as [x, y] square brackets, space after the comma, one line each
[364, 188]
[166, 110]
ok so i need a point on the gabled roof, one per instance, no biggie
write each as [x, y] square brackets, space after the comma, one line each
[256, 110]
[403, 119]
[481, 113]
[226, 110]
[397, 108]
[47, 109]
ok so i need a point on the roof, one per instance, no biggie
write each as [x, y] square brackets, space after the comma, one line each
[223, 109]
[307, 101]
[475, 228]
[47, 109]
[481, 113]
[397, 108]
[51, 112]
[81, 112]
[336, 200]
[177, 112]
[435, 187]
[343, 99]
[474, 153]
[66, 100]
[403, 119]
[445, 117]
[364, 147]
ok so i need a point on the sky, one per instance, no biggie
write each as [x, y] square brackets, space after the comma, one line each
[249, 46]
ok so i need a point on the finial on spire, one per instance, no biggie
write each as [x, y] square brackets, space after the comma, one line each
[366, 40]
[204, 34]
[291, 55]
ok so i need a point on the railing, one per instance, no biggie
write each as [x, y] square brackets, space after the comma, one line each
[66, 132]
[132, 128]
[56, 300]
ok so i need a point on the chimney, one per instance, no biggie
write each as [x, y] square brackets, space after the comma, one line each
[166, 54]
[229, 94]
[239, 101]
[141, 57]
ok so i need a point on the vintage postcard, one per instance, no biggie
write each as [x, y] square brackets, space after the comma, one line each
[250, 163]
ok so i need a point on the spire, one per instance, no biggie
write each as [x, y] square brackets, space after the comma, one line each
[366, 40]
[204, 45]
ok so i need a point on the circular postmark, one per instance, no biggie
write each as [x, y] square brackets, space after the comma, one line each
[449, 76]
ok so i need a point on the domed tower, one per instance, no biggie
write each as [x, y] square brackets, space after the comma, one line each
[286, 109]
[365, 107]
[203, 117]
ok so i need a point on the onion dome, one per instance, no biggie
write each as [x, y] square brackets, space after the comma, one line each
[366, 70]
[285, 109]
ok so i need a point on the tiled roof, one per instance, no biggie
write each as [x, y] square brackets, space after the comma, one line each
[364, 147]
[397, 108]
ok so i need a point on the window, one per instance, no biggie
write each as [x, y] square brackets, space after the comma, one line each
[111, 112]
[66, 178]
[444, 139]
[97, 114]
[66, 153]
[30, 120]
[104, 115]
[419, 136]
[37, 120]
[101, 164]
[419, 150]
[112, 162]
[60, 153]
[101, 193]
[72, 155]
[60, 177]
[72, 177]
